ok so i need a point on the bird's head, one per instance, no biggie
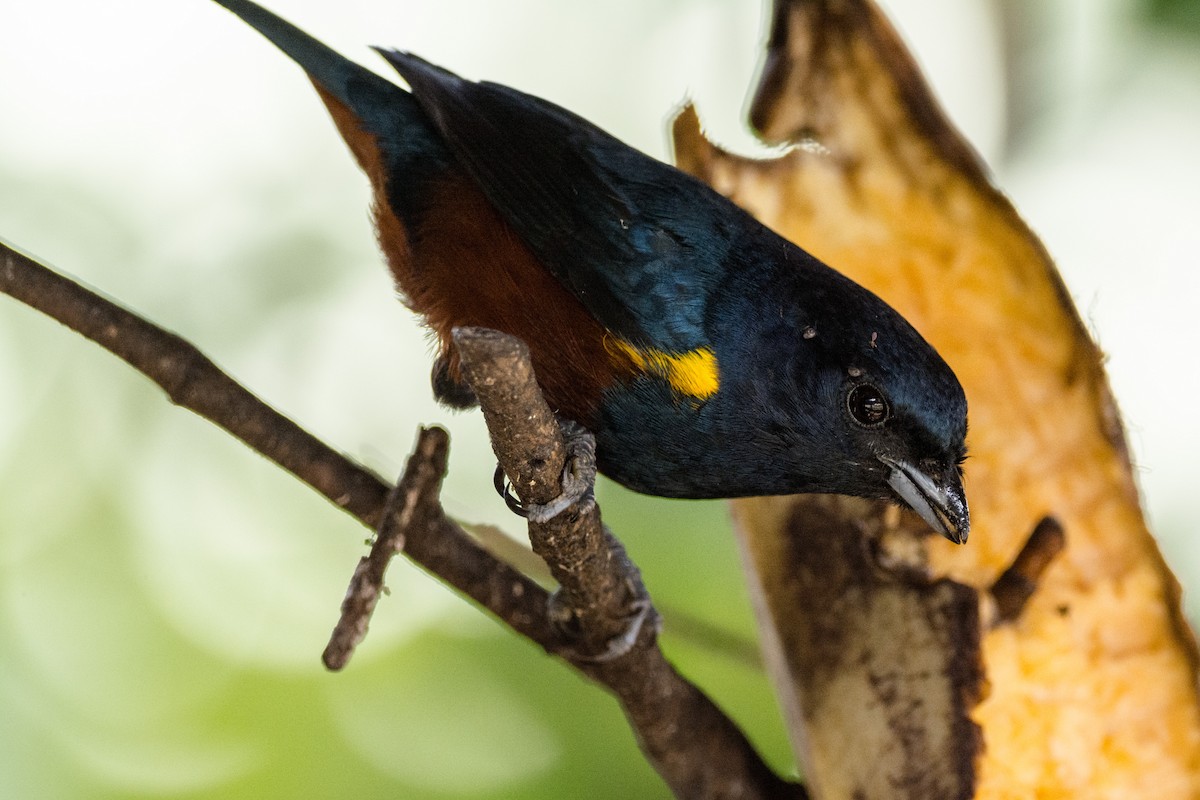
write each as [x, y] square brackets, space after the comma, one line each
[912, 439]
[902, 418]
[871, 409]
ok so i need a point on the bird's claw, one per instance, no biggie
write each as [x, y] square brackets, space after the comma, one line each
[504, 489]
[578, 478]
[566, 620]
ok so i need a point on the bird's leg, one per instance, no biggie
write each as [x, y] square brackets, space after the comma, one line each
[600, 621]
[578, 478]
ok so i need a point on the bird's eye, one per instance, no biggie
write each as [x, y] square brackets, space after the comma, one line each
[867, 405]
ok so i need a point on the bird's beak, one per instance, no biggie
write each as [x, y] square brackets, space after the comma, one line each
[939, 499]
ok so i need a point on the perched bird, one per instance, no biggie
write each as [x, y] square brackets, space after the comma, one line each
[709, 356]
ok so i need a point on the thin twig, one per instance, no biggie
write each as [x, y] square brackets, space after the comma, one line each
[412, 505]
[525, 434]
[194, 382]
[1017, 584]
[597, 582]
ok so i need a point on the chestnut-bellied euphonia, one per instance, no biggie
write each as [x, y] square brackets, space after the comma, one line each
[710, 356]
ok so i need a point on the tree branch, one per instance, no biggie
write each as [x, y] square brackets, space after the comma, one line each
[194, 382]
[697, 749]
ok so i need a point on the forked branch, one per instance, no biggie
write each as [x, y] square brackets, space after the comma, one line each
[694, 746]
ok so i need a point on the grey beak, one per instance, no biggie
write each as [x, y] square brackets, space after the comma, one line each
[939, 499]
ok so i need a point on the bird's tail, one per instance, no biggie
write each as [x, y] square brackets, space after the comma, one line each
[382, 124]
[330, 70]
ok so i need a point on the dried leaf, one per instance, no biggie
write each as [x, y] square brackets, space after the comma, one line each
[1093, 687]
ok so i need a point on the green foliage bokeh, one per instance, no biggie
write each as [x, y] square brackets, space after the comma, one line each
[165, 593]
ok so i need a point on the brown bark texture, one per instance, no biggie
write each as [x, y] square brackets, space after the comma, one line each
[600, 620]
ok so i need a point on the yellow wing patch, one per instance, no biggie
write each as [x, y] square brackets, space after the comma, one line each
[694, 373]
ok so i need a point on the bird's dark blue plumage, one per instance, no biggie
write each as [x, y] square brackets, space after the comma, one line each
[630, 236]
[711, 357]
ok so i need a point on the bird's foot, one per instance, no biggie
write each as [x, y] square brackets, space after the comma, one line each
[640, 613]
[578, 478]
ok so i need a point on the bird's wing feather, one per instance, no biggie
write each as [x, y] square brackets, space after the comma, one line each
[631, 237]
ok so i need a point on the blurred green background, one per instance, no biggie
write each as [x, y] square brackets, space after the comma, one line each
[165, 594]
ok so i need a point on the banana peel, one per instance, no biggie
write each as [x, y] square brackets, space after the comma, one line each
[909, 667]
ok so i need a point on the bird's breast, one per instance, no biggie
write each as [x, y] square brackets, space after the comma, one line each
[464, 265]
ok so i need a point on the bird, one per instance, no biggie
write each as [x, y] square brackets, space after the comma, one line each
[709, 356]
